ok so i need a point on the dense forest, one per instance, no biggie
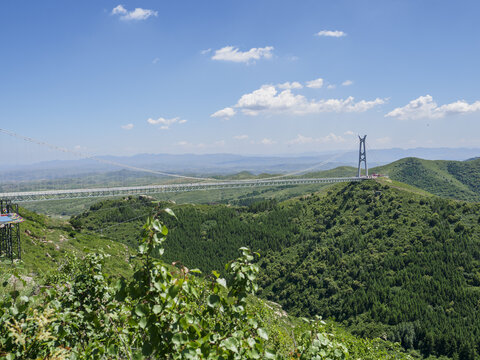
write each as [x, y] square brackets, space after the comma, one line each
[385, 262]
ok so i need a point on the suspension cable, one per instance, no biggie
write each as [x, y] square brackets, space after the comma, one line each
[114, 163]
[109, 162]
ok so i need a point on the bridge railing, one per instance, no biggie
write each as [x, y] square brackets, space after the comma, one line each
[152, 189]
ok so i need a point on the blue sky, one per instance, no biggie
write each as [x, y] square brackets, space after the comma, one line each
[246, 77]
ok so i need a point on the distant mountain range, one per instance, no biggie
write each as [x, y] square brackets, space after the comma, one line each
[222, 164]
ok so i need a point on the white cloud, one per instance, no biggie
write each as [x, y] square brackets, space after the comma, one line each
[165, 123]
[267, 141]
[348, 132]
[137, 14]
[290, 85]
[425, 108]
[300, 139]
[226, 113]
[331, 33]
[330, 138]
[268, 99]
[241, 137]
[331, 86]
[119, 10]
[315, 84]
[206, 51]
[229, 53]
[347, 83]
[127, 127]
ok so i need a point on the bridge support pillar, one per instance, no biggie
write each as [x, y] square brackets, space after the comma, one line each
[362, 157]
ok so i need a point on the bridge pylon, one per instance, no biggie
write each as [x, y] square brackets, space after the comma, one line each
[362, 156]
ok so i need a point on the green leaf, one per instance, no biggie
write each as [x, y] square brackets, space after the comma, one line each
[231, 344]
[147, 348]
[213, 300]
[164, 230]
[141, 310]
[170, 212]
[262, 333]
[173, 290]
[269, 354]
[143, 322]
[138, 356]
[179, 339]
[222, 282]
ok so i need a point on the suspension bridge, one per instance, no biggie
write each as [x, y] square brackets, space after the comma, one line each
[194, 183]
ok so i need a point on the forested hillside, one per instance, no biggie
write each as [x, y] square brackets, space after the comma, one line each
[450, 179]
[386, 262]
[78, 310]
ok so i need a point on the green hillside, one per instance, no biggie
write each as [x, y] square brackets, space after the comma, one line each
[46, 242]
[451, 179]
[93, 308]
[382, 258]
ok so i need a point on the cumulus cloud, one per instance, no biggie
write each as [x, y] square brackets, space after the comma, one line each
[119, 10]
[267, 141]
[347, 83]
[226, 113]
[230, 53]
[315, 84]
[127, 127]
[348, 132]
[330, 138]
[290, 85]
[425, 108]
[300, 139]
[331, 33]
[241, 137]
[166, 123]
[268, 99]
[137, 14]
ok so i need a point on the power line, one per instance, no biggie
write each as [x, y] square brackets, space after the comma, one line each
[109, 162]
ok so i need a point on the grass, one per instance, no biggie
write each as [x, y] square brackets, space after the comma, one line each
[46, 242]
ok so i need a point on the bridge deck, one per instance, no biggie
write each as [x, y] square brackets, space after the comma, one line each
[155, 189]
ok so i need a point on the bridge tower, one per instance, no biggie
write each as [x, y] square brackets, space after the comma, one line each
[362, 157]
[9, 230]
